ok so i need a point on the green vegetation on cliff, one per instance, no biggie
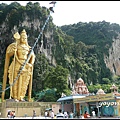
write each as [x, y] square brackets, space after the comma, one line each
[78, 50]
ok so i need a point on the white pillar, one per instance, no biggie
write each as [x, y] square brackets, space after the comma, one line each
[97, 105]
[62, 106]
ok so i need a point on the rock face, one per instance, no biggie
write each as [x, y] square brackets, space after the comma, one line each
[32, 26]
[35, 25]
[113, 60]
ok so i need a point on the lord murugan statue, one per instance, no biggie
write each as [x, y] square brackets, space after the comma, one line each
[19, 51]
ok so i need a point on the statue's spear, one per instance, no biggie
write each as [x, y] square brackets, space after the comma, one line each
[16, 37]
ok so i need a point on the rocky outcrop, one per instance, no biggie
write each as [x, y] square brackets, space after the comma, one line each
[32, 26]
[113, 60]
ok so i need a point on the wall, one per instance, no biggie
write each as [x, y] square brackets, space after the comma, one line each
[68, 107]
[22, 108]
[55, 108]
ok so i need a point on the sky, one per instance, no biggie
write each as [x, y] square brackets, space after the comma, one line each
[70, 12]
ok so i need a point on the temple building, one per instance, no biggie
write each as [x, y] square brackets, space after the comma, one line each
[80, 87]
[79, 90]
[100, 91]
[114, 89]
[81, 100]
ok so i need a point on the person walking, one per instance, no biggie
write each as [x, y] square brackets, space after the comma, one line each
[34, 113]
[86, 115]
[65, 114]
[13, 114]
[93, 114]
[52, 114]
[71, 115]
[46, 114]
[9, 114]
[60, 115]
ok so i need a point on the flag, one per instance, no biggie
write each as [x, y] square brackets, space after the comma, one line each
[51, 9]
[53, 2]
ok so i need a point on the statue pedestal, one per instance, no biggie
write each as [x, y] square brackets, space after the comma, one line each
[10, 100]
[23, 108]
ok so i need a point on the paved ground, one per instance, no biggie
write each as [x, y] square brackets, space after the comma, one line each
[28, 118]
[42, 117]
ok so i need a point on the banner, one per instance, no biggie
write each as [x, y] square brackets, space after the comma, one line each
[95, 98]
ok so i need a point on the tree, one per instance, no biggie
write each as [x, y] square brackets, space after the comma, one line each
[41, 70]
[46, 95]
[58, 79]
[105, 81]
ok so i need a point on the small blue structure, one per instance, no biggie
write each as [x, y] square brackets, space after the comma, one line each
[69, 100]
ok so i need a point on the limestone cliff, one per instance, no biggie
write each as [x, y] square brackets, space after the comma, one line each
[33, 27]
[113, 60]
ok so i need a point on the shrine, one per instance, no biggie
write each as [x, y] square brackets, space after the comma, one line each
[80, 87]
[104, 104]
[100, 91]
[82, 100]
[79, 90]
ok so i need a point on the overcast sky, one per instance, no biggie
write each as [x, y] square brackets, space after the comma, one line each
[70, 12]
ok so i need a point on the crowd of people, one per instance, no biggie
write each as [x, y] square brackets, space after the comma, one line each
[59, 115]
[65, 114]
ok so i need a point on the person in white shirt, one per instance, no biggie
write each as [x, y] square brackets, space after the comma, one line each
[13, 114]
[60, 114]
[46, 114]
[65, 115]
[93, 113]
[8, 114]
[52, 114]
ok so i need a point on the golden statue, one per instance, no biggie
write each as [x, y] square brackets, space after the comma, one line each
[19, 51]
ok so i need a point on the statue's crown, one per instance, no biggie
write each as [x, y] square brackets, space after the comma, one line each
[23, 32]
